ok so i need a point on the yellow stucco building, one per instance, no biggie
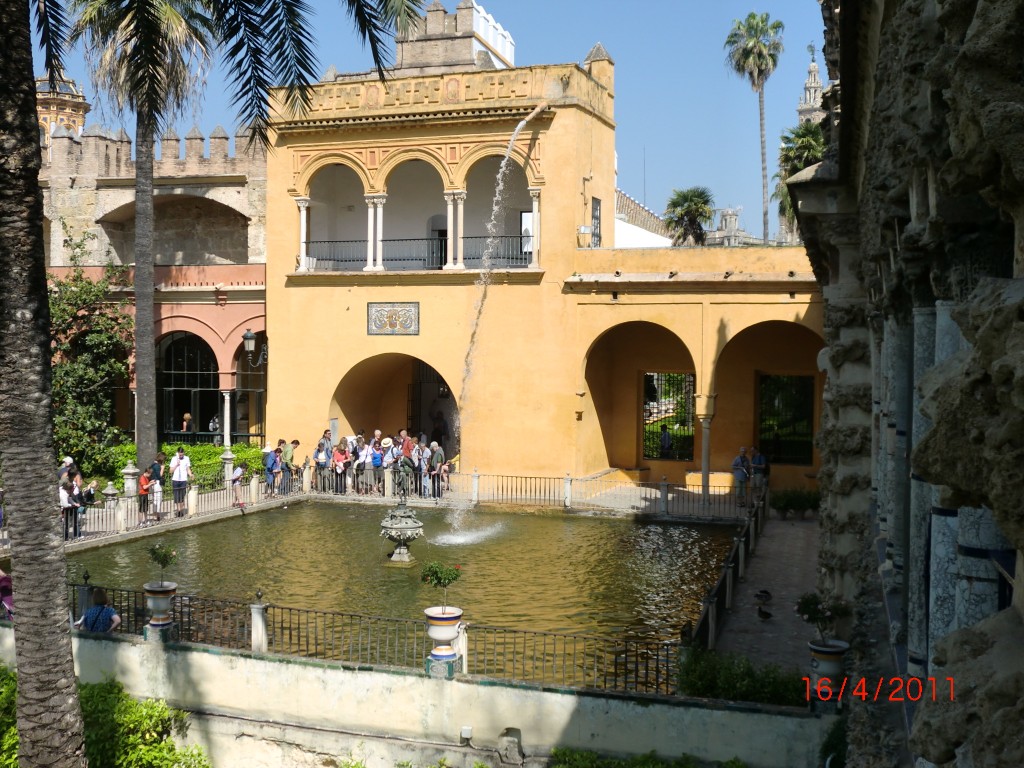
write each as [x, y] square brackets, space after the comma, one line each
[548, 346]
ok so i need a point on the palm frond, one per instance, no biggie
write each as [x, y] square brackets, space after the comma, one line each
[370, 18]
[52, 28]
[291, 58]
[239, 28]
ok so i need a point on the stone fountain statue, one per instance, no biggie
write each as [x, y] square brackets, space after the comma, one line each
[401, 527]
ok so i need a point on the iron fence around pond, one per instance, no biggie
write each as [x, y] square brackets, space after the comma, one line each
[573, 661]
[541, 658]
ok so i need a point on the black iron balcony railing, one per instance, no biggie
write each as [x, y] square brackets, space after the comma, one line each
[506, 251]
[428, 253]
[336, 255]
[415, 254]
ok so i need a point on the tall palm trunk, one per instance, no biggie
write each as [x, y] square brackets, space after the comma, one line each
[764, 167]
[49, 718]
[145, 362]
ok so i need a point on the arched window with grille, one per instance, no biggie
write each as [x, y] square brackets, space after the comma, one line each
[189, 383]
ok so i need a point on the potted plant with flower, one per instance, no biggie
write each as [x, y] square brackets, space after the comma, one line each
[823, 611]
[160, 594]
[443, 621]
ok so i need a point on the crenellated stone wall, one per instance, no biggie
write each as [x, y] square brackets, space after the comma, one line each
[210, 205]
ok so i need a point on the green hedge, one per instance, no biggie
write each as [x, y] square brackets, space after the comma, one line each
[731, 677]
[205, 458]
[576, 758]
[119, 730]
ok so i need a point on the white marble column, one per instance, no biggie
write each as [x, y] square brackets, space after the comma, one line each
[918, 555]
[371, 230]
[226, 418]
[460, 216]
[977, 537]
[899, 515]
[535, 251]
[944, 520]
[876, 333]
[304, 261]
[379, 237]
[449, 259]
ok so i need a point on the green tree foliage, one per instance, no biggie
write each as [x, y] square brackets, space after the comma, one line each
[91, 340]
[753, 47]
[119, 730]
[688, 212]
[801, 147]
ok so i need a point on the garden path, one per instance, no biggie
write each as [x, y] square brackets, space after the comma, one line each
[785, 563]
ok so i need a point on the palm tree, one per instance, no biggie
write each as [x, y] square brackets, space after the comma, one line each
[801, 147]
[49, 718]
[688, 212]
[267, 42]
[150, 56]
[754, 45]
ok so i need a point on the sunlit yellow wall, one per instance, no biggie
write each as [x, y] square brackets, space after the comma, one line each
[536, 403]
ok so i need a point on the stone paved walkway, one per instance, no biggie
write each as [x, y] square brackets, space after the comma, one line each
[785, 563]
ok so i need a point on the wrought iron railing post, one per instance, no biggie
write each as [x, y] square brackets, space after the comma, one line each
[259, 624]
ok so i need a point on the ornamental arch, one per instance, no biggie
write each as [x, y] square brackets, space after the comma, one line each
[768, 392]
[393, 391]
[622, 365]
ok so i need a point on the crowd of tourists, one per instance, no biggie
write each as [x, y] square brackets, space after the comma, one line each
[359, 464]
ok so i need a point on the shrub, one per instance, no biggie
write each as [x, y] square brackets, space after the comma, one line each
[835, 744]
[795, 500]
[119, 730]
[205, 458]
[712, 675]
[575, 758]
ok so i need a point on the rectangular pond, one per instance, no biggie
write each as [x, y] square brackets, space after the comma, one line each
[547, 572]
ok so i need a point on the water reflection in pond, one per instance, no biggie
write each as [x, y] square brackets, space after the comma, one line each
[549, 572]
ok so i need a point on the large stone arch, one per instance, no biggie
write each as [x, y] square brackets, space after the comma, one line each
[403, 155]
[772, 348]
[613, 372]
[317, 162]
[191, 230]
[491, 149]
[377, 391]
[179, 322]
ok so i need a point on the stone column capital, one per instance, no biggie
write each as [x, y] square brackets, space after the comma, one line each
[375, 200]
[302, 202]
[534, 192]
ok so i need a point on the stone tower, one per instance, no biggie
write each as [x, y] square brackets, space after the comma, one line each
[65, 105]
[809, 110]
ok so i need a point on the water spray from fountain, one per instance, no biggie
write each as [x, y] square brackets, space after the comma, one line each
[484, 281]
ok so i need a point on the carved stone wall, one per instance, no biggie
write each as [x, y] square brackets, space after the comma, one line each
[927, 157]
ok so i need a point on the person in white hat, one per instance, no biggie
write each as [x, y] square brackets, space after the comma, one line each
[62, 472]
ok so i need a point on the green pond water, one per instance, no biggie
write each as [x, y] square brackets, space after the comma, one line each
[552, 572]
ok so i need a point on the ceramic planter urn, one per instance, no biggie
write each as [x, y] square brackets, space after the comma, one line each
[827, 658]
[159, 596]
[443, 627]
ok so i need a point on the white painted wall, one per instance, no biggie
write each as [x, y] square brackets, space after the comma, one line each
[631, 236]
[263, 710]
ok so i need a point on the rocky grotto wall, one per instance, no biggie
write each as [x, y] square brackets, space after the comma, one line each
[910, 226]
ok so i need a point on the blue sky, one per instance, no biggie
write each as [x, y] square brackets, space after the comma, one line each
[676, 103]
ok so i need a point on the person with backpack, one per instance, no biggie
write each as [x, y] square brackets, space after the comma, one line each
[760, 468]
[101, 617]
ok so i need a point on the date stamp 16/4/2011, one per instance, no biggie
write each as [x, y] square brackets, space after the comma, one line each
[896, 689]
